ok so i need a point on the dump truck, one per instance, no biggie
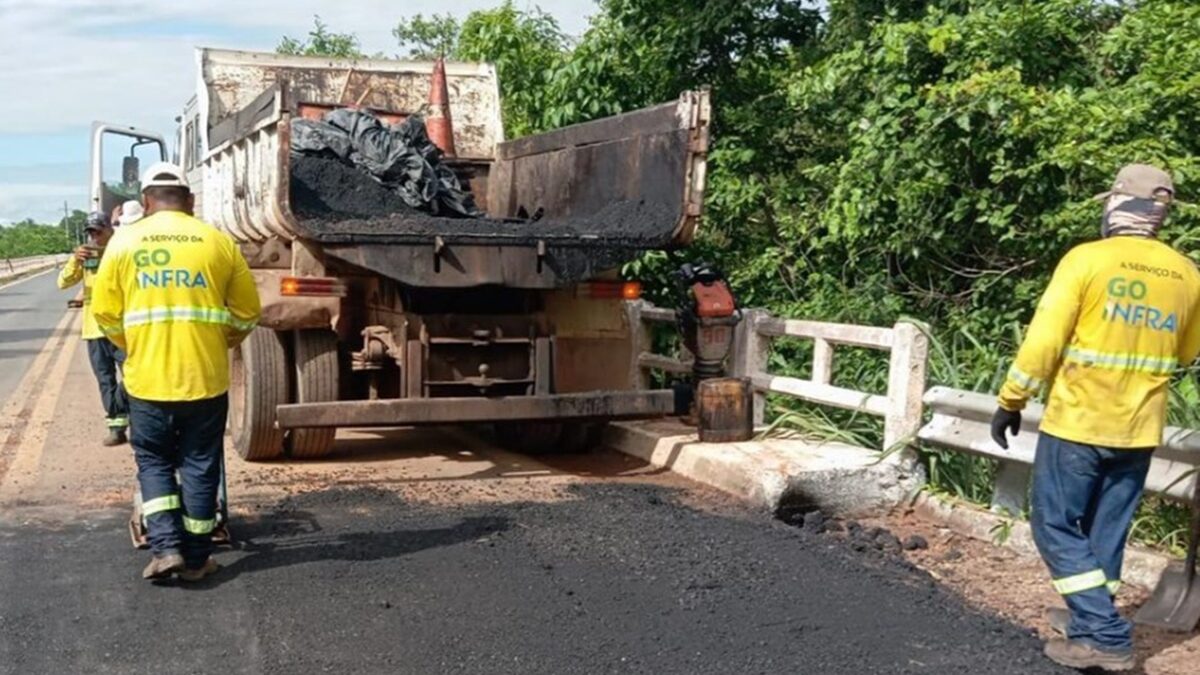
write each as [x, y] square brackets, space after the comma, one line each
[517, 320]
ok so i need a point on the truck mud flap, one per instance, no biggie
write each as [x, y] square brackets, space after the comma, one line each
[612, 405]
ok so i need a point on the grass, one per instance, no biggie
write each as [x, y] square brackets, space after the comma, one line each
[962, 361]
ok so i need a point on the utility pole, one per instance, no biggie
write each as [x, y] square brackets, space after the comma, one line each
[67, 229]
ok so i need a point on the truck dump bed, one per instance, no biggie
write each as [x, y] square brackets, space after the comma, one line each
[614, 186]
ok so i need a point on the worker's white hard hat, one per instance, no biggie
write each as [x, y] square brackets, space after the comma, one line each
[164, 174]
[131, 212]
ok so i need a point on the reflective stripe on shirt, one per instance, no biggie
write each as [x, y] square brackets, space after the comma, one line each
[1143, 363]
[141, 317]
[1023, 380]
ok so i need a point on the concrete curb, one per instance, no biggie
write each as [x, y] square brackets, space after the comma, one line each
[8, 279]
[1142, 567]
[774, 472]
[842, 480]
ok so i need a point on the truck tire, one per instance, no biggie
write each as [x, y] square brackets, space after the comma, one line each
[316, 378]
[530, 438]
[258, 382]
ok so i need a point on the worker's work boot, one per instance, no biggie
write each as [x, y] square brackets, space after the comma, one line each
[1081, 656]
[210, 566]
[1059, 619]
[163, 566]
[116, 436]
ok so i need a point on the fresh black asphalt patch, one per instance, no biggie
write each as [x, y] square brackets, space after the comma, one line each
[619, 579]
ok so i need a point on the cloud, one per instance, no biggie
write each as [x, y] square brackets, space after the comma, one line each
[133, 61]
[69, 62]
[42, 202]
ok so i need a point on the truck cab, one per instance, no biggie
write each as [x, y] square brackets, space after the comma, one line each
[118, 154]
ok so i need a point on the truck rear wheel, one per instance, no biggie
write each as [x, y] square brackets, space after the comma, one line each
[316, 377]
[258, 382]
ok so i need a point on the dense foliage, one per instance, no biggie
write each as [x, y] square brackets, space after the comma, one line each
[882, 159]
[27, 238]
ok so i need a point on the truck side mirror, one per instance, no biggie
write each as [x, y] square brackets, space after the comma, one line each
[130, 171]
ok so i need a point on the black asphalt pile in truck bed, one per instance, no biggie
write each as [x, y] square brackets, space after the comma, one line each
[399, 158]
[355, 180]
[336, 203]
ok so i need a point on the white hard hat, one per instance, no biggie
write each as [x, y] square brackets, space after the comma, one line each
[131, 212]
[164, 174]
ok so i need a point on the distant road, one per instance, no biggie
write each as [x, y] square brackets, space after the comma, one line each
[29, 311]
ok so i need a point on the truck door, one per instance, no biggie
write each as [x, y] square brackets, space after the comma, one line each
[119, 154]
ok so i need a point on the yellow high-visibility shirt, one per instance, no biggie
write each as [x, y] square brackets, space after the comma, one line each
[72, 273]
[1119, 317]
[175, 293]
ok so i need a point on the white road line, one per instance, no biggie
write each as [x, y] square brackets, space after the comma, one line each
[18, 410]
[23, 468]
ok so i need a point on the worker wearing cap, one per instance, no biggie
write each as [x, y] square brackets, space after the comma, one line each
[104, 356]
[1120, 315]
[176, 294]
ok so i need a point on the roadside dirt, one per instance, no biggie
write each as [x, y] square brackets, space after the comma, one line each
[1000, 580]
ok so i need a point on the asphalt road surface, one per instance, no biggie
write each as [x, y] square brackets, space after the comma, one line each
[29, 310]
[431, 551]
[615, 579]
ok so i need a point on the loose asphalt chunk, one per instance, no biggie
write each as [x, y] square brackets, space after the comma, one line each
[618, 579]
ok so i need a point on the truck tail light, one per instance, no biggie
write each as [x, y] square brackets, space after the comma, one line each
[312, 286]
[611, 290]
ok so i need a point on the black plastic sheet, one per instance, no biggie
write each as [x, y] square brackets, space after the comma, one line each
[400, 157]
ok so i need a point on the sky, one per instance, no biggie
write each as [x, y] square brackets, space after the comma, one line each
[70, 62]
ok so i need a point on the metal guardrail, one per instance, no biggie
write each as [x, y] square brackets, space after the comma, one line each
[962, 421]
[900, 406]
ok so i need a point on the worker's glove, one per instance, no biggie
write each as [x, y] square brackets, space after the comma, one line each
[1002, 421]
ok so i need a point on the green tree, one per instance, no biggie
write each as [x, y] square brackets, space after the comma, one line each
[321, 42]
[28, 238]
[526, 47]
[428, 39]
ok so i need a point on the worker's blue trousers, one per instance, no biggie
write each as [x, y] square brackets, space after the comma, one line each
[106, 359]
[1084, 499]
[188, 437]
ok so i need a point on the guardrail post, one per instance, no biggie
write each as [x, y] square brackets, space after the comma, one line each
[906, 386]
[639, 342]
[1010, 494]
[751, 350]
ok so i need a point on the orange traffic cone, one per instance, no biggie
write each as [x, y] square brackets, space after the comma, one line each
[439, 124]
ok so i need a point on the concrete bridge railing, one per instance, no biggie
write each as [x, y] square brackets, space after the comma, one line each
[900, 406]
[13, 267]
[959, 420]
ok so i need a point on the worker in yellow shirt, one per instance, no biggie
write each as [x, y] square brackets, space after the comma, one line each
[104, 356]
[1119, 317]
[176, 295]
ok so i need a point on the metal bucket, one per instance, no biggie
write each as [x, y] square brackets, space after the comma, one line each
[725, 408]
